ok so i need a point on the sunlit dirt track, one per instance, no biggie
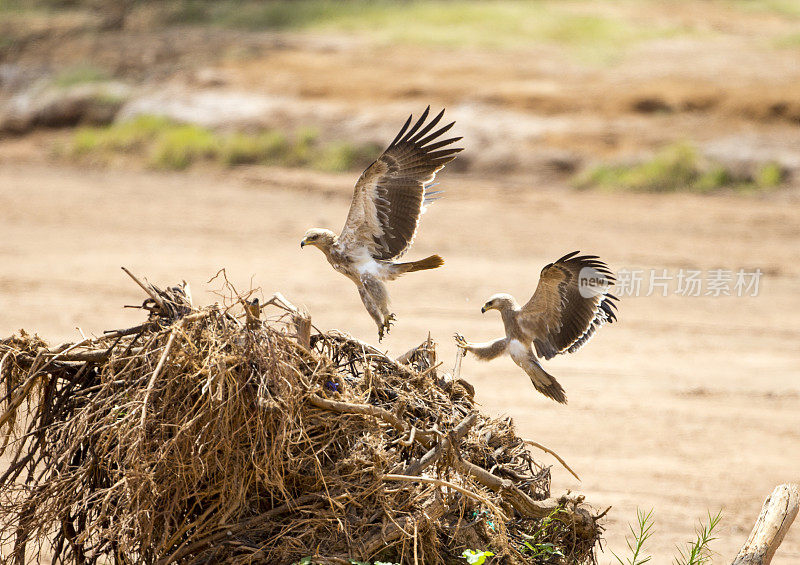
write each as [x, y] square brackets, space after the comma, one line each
[688, 405]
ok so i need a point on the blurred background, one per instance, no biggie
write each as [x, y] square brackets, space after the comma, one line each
[178, 138]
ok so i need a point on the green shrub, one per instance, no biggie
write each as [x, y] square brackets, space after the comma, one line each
[676, 168]
[79, 74]
[180, 146]
[695, 552]
[121, 137]
[171, 145]
[769, 175]
[344, 156]
[242, 149]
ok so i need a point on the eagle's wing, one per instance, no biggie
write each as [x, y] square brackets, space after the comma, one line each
[390, 195]
[559, 318]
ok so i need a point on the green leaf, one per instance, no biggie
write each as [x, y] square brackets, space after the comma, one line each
[304, 561]
[476, 557]
[640, 536]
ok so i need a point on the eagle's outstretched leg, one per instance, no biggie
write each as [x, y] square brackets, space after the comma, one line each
[372, 308]
[376, 299]
[484, 351]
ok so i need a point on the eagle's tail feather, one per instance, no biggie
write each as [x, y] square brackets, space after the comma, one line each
[431, 262]
[545, 382]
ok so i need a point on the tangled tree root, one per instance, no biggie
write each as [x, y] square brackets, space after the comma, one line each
[202, 436]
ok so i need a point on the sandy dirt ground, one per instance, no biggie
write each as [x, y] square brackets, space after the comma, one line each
[688, 405]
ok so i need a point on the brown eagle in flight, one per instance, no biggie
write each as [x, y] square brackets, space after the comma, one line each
[571, 301]
[388, 201]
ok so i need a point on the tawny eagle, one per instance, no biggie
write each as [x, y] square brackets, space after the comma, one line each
[571, 301]
[388, 201]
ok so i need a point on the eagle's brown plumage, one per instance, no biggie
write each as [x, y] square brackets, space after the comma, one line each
[390, 195]
[558, 317]
[388, 201]
[561, 316]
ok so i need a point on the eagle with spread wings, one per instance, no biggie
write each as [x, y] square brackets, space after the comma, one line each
[571, 301]
[388, 201]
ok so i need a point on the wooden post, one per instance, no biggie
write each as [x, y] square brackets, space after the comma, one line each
[300, 318]
[776, 516]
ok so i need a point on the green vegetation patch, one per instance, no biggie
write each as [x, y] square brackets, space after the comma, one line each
[79, 74]
[679, 168]
[786, 8]
[694, 552]
[167, 144]
[588, 33]
[789, 41]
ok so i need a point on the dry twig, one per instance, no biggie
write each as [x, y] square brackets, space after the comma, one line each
[554, 454]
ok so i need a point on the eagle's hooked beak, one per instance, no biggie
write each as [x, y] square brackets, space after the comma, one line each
[483, 309]
[302, 244]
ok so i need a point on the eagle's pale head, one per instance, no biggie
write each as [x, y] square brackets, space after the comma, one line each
[500, 302]
[319, 237]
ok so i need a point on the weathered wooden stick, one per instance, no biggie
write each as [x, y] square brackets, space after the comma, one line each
[580, 517]
[367, 349]
[300, 318]
[553, 453]
[422, 436]
[22, 394]
[433, 455]
[460, 353]
[448, 484]
[148, 289]
[397, 529]
[175, 330]
[302, 327]
[426, 347]
[406, 357]
[776, 516]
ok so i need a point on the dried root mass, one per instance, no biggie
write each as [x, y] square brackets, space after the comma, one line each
[207, 437]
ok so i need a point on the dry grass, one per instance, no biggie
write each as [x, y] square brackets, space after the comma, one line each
[205, 436]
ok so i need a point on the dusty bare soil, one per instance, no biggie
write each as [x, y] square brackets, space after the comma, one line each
[688, 405]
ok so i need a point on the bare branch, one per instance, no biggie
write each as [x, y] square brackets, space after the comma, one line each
[432, 456]
[553, 453]
[424, 437]
[448, 484]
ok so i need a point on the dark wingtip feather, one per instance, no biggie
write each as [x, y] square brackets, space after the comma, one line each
[567, 257]
[427, 128]
[611, 316]
[438, 133]
[402, 130]
[417, 125]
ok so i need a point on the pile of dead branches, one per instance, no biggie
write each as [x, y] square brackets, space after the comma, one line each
[207, 436]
